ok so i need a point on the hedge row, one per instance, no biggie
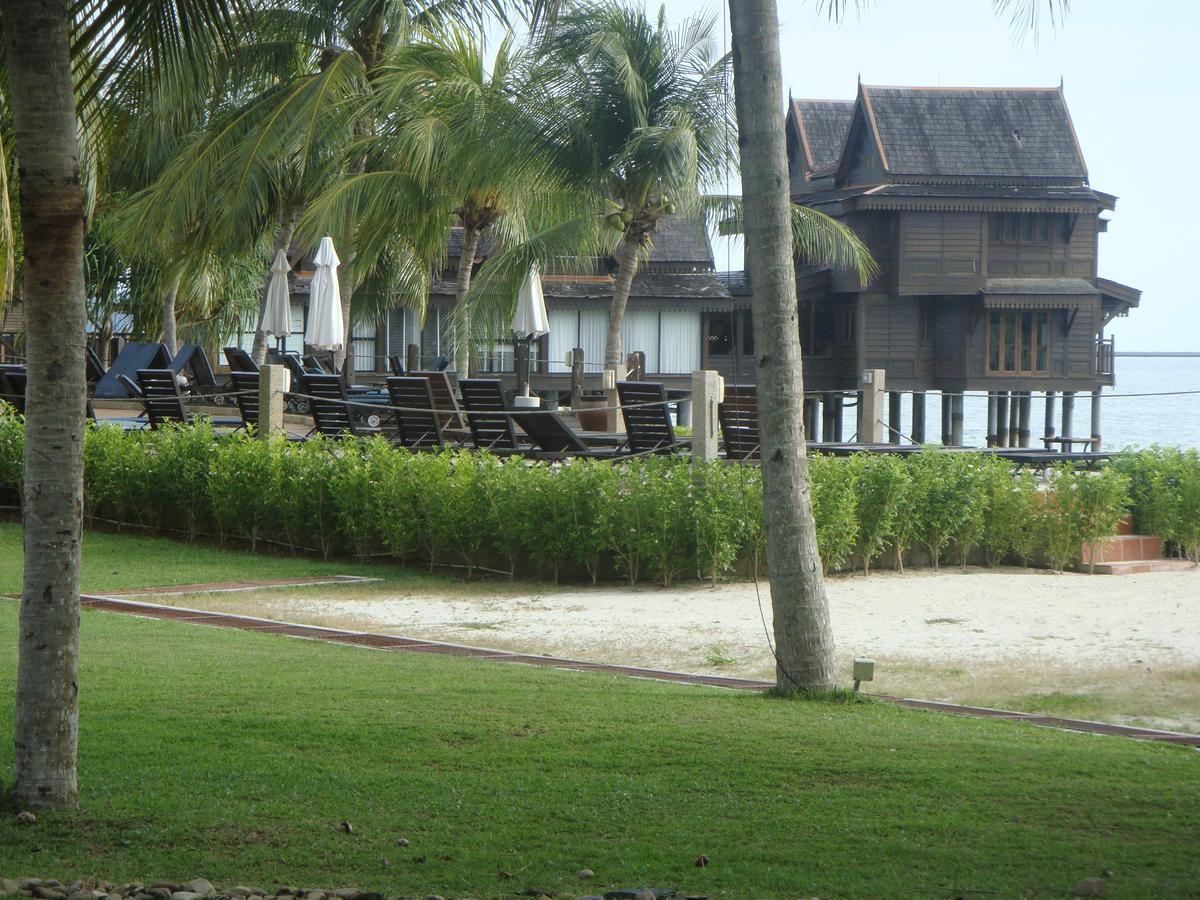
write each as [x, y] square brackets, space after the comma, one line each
[646, 518]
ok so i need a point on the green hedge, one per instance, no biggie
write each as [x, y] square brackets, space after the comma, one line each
[646, 519]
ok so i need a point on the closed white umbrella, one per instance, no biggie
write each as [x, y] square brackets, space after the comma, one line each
[530, 322]
[277, 315]
[324, 330]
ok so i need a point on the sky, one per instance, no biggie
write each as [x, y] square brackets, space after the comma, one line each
[1128, 73]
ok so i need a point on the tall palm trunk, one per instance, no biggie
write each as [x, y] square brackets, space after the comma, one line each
[283, 240]
[627, 255]
[42, 98]
[168, 316]
[343, 359]
[462, 284]
[803, 638]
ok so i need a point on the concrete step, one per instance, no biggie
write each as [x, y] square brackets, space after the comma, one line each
[1141, 566]
[1123, 548]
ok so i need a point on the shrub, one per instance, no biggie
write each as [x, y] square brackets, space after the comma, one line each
[303, 491]
[721, 513]
[12, 449]
[880, 482]
[1083, 508]
[945, 495]
[1010, 522]
[243, 487]
[835, 509]
[393, 506]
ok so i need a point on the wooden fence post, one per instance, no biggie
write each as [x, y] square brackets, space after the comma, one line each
[412, 358]
[707, 390]
[576, 377]
[272, 382]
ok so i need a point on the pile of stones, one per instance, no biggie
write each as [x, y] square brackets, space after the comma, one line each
[197, 889]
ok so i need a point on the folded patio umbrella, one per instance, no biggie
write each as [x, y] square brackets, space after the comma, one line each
[277, 315]
[530, 321]
[324, 330]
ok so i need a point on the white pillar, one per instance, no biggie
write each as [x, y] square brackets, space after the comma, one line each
[707, 390]
[874, 387]
[272, 384]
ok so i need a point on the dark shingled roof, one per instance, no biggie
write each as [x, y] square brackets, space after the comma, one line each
[646, 286]
[983, 132]
[1073, 286]
[681, 241]
[823, 125]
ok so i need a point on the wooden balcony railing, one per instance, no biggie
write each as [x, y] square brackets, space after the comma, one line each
[1105, 352]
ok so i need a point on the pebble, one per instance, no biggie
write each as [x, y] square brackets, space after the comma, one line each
[1091, 887]
[435, 897]
[314, 895]
[27, 884]
[200, 886]
[402, 842]
[585, 873]
[48, 893]
[644, 895]
[347, 893]
[79, 895]
[186, 895]
[26, 818]
[8, 886]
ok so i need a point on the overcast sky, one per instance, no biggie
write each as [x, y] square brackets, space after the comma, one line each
[1128, 70]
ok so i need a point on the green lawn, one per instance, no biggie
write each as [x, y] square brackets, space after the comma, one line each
[235, 755]
[113, 561]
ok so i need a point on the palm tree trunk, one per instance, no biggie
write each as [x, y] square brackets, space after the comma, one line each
[283, 240]
[343, 360]
[42, 98]
[627, 266]
[803, 637]
[168, 316]
[462, 283]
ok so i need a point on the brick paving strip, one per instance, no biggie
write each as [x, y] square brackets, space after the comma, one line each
[115, 601]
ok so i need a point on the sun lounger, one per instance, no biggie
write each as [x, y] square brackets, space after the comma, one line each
[332, 413]
[133, 356]
[416, 418]
[644, 411]
[738, 415]
[159, 392]
[240, 361]
[490, 420]
[443, 398]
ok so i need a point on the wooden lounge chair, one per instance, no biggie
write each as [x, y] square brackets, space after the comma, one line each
[490, 420]
[95, 368]
[644, 410]
[159, 392]
[738, 415]
[331, 412]
[396, 366]
[245, 387]
[12, 386]
[443, 398]
[240, 361]
[417, 421]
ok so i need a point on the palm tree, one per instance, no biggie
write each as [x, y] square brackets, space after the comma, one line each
[650, 119]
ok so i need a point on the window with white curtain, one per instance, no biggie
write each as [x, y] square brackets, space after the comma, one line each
[639, 331]
[564, 337]
[593, 328]
[363, 342]
[680, 341]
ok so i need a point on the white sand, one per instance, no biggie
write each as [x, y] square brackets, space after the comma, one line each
[981, 617]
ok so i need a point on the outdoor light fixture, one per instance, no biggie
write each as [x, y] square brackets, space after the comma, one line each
[864, 670]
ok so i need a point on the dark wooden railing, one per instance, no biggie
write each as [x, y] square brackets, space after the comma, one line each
[1105, 351]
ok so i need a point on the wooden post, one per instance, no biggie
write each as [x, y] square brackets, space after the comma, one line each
[1001, 418]
[991, 419]
[812, 413]
[707, 388]
[1095, 448]
[870, 405]
[839, 415]
[895, 426]
[946, 435]
[918, 417]
[613, 374]
[1068, 415]
[576, 377]
[1023, 418]
[1049, 427]
[271, 388]
[1014, 418]
[827, 429]
[956, 419]
[636, 364]
[412, 358]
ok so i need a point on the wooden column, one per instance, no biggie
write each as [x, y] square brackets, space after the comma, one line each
[1096, 444]
[1014, 418]
[895, 425]
[707, 387]
[991, 419]
[918, 417]
[812, 414]
[827, 429]
[613, 374]
[576, 377]
[870, 405]
[946, 436]
[956, 419]
[839, 415]
[1049, 426]
[1001, 418]
[636, 364]
[1068, 416]
[1023, 418]
[272, 384]
[412, 358]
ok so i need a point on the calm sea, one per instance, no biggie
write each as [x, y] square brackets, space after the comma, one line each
[1126, 421]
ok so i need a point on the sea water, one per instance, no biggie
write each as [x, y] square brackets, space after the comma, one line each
[1148, 405]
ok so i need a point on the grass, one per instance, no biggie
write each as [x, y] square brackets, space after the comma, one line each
[236, 755]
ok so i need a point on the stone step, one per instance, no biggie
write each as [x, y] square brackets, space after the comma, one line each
[1123, 548]
[1141, 566]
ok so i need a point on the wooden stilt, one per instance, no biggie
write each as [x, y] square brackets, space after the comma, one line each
[1096, 443]
[1068, 415]
[1001, 418]
[1014, 418]
[839, 415]
[945, 418]
[956, 419]
[991, 419]
[827, 429]
[1026, 405]
[1049, 435]
[918, 417]
[895, 426]
[812, 412]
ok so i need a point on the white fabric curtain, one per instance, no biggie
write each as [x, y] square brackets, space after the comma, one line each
[593, 326]
[639, 331]
[680, 341]
[564, 337]
[364, 346]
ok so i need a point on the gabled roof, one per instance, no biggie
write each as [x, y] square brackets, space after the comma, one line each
[973, 132]
[680, 241]
[821, 127]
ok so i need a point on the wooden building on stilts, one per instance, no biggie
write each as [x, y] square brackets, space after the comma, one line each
[975, 202]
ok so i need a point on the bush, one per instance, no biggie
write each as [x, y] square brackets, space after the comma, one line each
[1164, 491]
[880, 480]
[12, 449]
[835, 509]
